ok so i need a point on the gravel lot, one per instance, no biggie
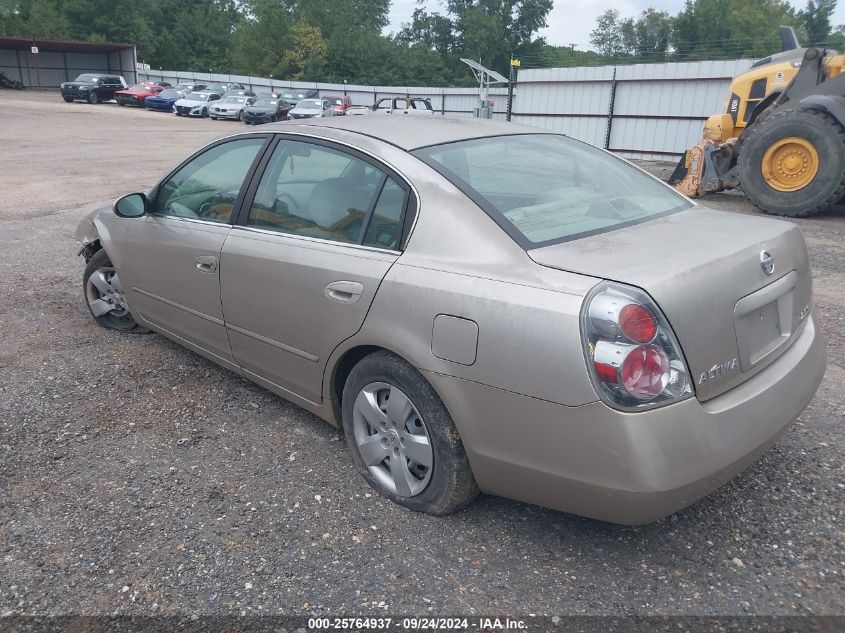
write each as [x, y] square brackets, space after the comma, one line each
[138, 478]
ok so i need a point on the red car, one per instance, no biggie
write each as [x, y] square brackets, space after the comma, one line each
[136, 94]
[339, 103]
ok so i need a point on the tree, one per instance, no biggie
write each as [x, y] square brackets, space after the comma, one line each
[725, 29]
[607, 36]
[33, 18]
[815, 19]
[490, 30]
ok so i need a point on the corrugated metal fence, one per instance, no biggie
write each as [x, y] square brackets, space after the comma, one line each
[647, 111]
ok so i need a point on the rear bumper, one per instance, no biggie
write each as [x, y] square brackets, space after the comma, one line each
[629, 468]
[164, 107]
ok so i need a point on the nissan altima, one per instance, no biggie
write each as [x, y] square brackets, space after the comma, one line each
[477, 305]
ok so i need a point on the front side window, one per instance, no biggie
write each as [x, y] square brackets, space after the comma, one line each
[546, 188]
[317, 191]
[207, 187]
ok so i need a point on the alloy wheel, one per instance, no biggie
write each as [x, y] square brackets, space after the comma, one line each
[105, 293]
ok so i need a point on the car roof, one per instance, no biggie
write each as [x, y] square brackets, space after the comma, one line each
[409, 133]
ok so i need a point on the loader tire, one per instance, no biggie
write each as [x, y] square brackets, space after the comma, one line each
[812, 129]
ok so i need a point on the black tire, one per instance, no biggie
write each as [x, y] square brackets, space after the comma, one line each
[816, 127]
[204, 113]
[241, 115]
[93, 98]
[68, 99]
[451, 485]
[214, 118]
[121, 322]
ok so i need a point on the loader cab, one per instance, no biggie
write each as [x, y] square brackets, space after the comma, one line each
[771, 74]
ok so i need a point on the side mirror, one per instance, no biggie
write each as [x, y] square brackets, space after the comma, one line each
[132, 205]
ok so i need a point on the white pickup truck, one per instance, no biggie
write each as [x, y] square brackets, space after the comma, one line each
[412, 106]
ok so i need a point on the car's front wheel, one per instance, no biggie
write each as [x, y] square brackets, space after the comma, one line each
[402, 439]
[104, 294]
[68, 99]
[93, 97]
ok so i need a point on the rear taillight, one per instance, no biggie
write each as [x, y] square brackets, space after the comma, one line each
[633, 357]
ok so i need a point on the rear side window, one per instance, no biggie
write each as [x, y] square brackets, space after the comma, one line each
[545, 188]
[317, 191]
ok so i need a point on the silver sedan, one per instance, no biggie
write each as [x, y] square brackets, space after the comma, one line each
[478, 305]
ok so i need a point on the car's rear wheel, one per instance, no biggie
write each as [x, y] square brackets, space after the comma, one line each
[93, 97]
[402, 439]
[104, 294]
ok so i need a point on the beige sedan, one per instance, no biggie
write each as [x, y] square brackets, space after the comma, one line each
[478, 305]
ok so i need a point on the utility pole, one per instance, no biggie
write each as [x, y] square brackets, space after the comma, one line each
[515, 63]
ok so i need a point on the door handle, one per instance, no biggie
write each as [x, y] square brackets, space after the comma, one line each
[206, 263]
[344, 291]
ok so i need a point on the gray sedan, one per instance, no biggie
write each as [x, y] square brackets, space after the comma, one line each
[478, 305]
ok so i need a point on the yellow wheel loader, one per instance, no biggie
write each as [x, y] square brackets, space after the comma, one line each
[781, 137]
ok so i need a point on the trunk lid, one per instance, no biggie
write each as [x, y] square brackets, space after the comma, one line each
[703, 269]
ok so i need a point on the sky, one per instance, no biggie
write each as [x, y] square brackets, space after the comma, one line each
[571, 21]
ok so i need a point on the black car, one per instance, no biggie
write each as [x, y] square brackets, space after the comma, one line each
[266, 110]
[92, 87]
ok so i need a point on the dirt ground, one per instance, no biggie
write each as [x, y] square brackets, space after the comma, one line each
[138, 478]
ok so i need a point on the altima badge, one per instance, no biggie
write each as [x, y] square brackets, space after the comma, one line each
[717, 371]
[767, 262]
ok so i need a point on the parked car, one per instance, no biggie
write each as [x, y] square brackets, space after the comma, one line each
[267, 110]
[309, 108]
[295, 96]
[479, 305]
[231, 107]
[339, 103]
[195, 104]
[92, 87]
[164, 100]
[135, 95]
[223, 88]
[239, 93]
[189, 87]
[413, 106]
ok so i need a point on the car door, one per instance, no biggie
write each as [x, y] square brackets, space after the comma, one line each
[170, 270]
[317, 234]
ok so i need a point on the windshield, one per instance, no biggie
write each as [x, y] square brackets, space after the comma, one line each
[310, 104]
[545, 188]
[291, 95]
[170, 93]
[87, 77]
[266, 103]
[143, 87]
[198, 96]
[335, 100]
[234, 100]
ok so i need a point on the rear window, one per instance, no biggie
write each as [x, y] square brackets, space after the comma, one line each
[545, 188]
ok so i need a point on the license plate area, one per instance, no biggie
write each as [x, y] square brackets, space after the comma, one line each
[764, 320]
